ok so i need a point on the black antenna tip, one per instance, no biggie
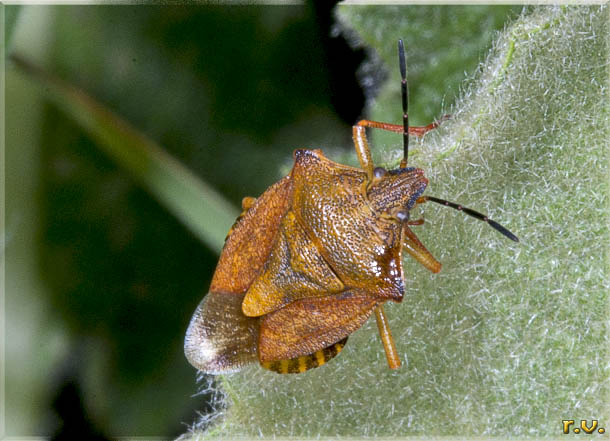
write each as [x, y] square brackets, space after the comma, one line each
[402, 60]
[502, 230]
[470, 212]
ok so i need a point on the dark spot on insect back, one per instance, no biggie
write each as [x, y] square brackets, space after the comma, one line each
[344, 295]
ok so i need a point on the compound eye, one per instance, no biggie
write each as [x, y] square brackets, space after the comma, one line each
[379, 172]
[402, 215]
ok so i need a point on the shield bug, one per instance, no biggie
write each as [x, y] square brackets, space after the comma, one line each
[314, 256]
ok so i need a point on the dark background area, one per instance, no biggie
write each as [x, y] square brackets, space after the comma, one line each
[230, 92]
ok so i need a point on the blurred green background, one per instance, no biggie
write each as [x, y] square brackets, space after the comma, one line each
[101, 279]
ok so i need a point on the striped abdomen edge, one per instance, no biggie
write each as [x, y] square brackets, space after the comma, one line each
[305, 362]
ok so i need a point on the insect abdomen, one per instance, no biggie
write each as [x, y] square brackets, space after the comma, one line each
[305, 362]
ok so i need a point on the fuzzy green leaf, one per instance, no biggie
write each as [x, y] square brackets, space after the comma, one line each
[509, 339]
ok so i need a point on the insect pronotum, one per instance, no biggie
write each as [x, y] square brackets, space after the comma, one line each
[310, 260]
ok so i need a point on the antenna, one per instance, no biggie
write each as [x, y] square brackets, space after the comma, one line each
[405, 103]
[471, 212]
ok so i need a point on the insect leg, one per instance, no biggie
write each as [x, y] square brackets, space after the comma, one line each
[386, 338]
[397, 128]
[362, 146]
[247, 202]
[363, 151]
[418, 251]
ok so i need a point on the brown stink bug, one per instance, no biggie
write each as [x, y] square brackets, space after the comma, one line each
[310, 260]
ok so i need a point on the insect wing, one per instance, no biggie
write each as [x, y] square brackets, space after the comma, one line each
[220, 338]
[247, 248]
[295, 270]
[308, 325]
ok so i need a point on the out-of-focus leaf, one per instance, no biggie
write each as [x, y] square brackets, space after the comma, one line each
[11, 13]
[190, 199]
